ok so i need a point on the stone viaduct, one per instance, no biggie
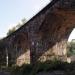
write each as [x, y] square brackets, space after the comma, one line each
[44, 35]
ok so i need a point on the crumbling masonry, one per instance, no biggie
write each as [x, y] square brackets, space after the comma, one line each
[44, 35]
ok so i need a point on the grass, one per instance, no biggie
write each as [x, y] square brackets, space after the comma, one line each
[47, 66]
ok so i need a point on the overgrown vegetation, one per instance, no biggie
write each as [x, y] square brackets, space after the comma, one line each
[71, 48]
[47, 66]
[13, 29]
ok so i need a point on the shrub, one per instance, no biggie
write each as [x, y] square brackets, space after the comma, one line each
[28, 69]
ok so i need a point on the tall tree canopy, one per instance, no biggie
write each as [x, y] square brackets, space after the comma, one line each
[23, 21]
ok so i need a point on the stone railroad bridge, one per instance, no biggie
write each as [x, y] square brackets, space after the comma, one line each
[43, 35]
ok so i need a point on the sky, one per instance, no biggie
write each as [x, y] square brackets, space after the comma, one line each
[72, 35]
[12, 11]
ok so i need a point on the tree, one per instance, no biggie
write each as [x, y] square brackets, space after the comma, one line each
[23, 21]
[11, 31]
[71, 48]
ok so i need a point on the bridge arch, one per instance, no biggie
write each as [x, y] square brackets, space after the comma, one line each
[55, 31]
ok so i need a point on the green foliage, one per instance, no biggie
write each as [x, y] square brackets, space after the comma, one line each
[71, 48]
[11, 31]
[44, 67]
[23, 70]
[16, 27]
[2, 53]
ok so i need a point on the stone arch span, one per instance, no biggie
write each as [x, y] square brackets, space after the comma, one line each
[54, 33]
[20, 49]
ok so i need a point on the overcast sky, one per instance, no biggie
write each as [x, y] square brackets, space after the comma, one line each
[12, 11]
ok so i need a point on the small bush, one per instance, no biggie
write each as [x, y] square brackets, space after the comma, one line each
[28, 69]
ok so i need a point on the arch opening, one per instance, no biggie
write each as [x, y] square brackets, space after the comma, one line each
[71, 47]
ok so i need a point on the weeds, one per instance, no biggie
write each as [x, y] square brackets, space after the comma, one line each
[28, 69]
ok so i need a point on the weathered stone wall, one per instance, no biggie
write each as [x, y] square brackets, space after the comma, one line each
[50, 36]
[21, 49]
[44, 36]
[17, 47]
